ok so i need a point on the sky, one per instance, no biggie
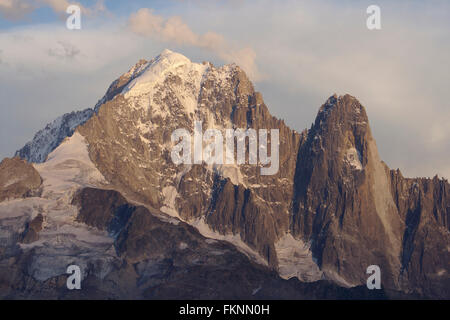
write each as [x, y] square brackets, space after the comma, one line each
[297, 53]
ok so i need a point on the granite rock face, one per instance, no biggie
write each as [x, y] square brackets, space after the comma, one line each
[357, 212]
[424, 206]
[18, 179]
[32, 229]
[342, 200]
[102, 209]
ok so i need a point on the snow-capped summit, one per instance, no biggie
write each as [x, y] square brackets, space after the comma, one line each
[171, 57]
[156, 71]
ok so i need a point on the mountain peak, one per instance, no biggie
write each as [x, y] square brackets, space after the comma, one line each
[166, 52]
[342, 103]
[344, 114]
[170, 57]
[166, 64]
[169, 53]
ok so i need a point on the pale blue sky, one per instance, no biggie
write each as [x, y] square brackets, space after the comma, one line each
[298, 53]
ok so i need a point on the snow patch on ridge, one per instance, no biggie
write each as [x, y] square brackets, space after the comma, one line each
[234, 239]
[295, 260]
[170, 194]
[230, 171]
[353, 158]
[339, 280]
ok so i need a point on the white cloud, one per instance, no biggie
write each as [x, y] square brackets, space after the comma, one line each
[15, 9]
[18, 9]
[54, 49]
[174, 30]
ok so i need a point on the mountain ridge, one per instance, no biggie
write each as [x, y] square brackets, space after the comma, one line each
[333, 208]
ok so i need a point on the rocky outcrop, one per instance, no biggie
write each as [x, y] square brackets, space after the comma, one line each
[32, 229]
[18, 179]
[103, 209]
[424, 206]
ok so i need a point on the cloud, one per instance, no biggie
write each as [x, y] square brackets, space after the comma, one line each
[19, 9]
[175, 31]
[64, 50]
[53, 49]
[15, 9]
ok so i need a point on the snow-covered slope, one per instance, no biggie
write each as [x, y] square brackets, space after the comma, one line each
[49, 138]
[167, 64]
[67, 169]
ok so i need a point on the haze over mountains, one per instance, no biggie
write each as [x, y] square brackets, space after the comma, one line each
[99, 190]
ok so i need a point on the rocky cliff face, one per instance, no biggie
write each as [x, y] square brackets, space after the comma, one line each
[332, 209]
[342, 200]
[129, 140]
[423, 205]
[148, 258]
[357, 212]
[18, 179]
